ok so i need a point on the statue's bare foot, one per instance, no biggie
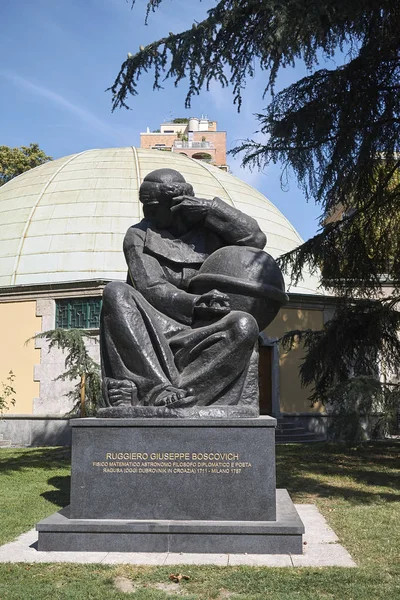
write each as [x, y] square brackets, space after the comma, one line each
[121, 392]
[174, 398]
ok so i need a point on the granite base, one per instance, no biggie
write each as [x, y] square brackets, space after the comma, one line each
[284, 535]
[176, 485]
[173, 469]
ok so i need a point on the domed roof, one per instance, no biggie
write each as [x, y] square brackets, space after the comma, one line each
[66, 220]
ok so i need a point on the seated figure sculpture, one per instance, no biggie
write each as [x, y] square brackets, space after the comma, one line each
[162, 344]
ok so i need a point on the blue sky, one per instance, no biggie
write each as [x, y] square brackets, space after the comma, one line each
[59, 56]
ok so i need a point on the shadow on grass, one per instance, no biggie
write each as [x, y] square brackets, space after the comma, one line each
[60, 496]
[20, 459]
[362, 474]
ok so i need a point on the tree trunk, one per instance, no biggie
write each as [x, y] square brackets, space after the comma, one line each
[83, 385]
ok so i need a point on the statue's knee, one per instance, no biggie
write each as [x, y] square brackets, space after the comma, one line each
[244, 327]
[113, 293]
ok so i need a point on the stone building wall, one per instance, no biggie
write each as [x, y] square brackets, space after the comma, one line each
[52, 397]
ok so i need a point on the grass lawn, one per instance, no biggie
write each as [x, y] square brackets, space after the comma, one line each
[356, 489]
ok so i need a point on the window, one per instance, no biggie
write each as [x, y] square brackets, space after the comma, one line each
[78, 313]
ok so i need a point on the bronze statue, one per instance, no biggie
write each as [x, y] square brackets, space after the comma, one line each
[182, 331]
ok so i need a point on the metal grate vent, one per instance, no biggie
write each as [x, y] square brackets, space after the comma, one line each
[78, 313]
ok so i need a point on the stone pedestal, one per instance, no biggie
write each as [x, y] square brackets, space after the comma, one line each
[177, 485]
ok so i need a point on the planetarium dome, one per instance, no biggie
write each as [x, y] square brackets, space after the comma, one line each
[66, 220]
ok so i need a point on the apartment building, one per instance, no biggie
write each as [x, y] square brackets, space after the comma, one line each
[194, 137]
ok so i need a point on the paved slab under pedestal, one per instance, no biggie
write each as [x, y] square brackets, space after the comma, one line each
[320, 550]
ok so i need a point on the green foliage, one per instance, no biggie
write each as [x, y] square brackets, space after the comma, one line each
[79, 365]
[362, 408]
[226, 44]
[339, 351]
[182, 120]
[7, 393]
[346, 362]
[14, 161]
[342, 140]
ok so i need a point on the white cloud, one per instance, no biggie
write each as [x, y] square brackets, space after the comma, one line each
[87, 117]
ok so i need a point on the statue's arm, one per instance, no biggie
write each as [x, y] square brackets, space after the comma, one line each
[149, 279]
[231, 224]
[234, 226]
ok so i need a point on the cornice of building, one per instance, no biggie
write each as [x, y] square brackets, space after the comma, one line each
[70, 289]
[310, 301]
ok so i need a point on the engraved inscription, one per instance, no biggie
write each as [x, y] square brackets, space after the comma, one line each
[173, 463]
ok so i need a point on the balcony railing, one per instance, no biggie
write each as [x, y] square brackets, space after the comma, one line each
[195, 145]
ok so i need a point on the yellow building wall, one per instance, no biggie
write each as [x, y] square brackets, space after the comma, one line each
[293, 397]
[18, 322]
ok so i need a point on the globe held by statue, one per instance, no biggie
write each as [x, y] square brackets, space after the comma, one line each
[249, 276]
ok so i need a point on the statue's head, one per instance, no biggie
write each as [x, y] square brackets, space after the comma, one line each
[157, 191]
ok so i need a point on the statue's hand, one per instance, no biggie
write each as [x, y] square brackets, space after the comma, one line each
[212, 305]
[192, 210]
